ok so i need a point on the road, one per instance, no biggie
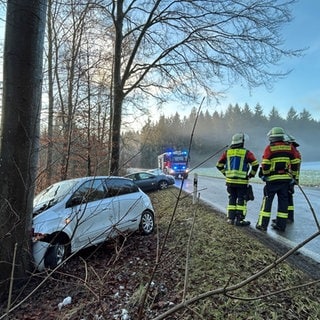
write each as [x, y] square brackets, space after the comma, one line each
[213, 192]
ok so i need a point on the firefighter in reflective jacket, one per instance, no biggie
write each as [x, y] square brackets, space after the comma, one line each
[289, 138]
[280, 166]
[238, 165]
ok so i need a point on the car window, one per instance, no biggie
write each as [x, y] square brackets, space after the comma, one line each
[116, 187]
[133, 176]
[145, 175]
[91, 190]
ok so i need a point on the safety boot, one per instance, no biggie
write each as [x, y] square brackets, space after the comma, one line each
[261, 228]
[275, 226]
[230, 221]
[242, 223]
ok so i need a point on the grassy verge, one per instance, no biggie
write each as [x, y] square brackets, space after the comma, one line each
[222, 256]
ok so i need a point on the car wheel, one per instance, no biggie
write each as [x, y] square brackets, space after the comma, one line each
[146, 223]
[163, 184]
[56, 254]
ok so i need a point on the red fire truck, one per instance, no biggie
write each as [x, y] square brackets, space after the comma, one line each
[174, 163]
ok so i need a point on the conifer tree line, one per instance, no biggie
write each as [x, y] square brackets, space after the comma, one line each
[214, 131]
[88, 149]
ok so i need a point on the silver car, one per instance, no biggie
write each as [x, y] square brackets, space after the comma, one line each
[74, 214]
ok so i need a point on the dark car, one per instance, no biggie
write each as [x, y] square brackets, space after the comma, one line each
[148, 181]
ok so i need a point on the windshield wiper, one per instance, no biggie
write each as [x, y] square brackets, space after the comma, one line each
[46, 206]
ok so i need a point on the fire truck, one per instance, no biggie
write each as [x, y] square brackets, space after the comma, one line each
[174, 163]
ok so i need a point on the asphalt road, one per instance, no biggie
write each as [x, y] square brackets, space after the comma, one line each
[213, 192]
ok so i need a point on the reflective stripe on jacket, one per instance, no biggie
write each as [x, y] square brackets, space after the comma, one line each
[280, 162]
[235, 165]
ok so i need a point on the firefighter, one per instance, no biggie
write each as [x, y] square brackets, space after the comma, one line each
[280, 166]
[290, 139]
[238, 165]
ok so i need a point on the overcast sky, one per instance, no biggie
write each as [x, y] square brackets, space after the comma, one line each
[301, 88]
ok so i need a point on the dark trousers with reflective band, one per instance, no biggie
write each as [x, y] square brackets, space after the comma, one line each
[291, 204]
[237, 206]
[281, 189]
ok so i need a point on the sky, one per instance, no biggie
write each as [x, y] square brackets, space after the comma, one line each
[301, 88]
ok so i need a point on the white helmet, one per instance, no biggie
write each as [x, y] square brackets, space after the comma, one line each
[237, 138]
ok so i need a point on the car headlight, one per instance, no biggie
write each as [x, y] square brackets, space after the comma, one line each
[37, 236]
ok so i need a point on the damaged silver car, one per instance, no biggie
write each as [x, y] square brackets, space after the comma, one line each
[74, 214]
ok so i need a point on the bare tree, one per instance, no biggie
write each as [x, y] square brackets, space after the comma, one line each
[50, 95]
[25, 27]
[79, 73]
[77, 90]
[191, 48]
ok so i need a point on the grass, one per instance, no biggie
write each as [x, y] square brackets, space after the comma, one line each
[221, 256]
[197, 270]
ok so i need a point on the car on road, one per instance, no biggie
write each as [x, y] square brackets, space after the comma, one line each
[148, 181]
[156, 171]
[74, 214]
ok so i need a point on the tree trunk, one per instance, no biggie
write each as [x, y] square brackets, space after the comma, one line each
[22, 82]
[117, 93]
[50, 97]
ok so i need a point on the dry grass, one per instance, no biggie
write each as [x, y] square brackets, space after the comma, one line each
[215, 256]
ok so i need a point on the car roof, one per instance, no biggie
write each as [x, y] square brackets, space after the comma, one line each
[139, 172]
[97, 177]
[80, 179]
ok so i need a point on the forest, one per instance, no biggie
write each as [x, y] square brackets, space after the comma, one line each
[212, 133]
[214, 130]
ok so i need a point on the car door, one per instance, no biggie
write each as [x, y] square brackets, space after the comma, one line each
[91, 213]
[126, 203]
[147, 181]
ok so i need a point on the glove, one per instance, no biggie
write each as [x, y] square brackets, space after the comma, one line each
[263, 178]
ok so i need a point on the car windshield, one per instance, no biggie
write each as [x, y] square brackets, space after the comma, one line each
[50, 196]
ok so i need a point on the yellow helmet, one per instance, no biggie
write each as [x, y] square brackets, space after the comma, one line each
[276, 134]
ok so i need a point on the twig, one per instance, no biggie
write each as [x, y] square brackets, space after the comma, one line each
[186, 275]
[207, 159]
[224, 290]
[12, 276]
[300, 286]
[161, 250]
[310, 206]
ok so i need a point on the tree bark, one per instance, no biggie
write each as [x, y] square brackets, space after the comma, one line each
[117, 92]
[50, 96]
[22, 83]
